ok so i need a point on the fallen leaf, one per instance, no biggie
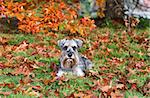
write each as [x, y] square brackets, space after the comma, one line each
[10, 85]
[56, 93]
[34, 93]
[78, 95]
[22, 46]
[139, 64]
[134, 86]
[2, 66]
[5, 93]
[117, 94]
[37, 87]
[19, 16]
[120, 86]
[105, 88]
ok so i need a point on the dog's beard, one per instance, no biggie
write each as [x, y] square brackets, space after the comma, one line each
[69, 63]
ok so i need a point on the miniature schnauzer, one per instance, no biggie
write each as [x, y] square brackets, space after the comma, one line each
[71, 60]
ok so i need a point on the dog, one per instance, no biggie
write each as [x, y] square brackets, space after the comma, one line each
[70, 59]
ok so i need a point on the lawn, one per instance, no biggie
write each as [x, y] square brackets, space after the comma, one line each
[28, 65]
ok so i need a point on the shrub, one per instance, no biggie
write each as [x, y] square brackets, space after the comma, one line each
[46, 15]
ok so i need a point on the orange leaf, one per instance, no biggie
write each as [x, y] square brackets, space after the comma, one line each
[19, 16]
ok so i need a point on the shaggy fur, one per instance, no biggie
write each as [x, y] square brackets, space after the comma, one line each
[71, 60]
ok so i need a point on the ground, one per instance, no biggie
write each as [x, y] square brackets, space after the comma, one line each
[29, 54]
[28, 64]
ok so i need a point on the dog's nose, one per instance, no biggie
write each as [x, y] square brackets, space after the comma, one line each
[69, 54]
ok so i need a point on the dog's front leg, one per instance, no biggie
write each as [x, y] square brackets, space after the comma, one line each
[78, 71]
[60, 73]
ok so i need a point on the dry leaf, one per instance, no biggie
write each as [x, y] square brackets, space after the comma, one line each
[105, 88]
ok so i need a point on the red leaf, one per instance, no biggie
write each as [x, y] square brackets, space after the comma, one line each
[134, 86]
[56, 93]
[2, 66]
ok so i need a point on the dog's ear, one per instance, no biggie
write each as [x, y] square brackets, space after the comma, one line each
[61, 42]
[79, 42]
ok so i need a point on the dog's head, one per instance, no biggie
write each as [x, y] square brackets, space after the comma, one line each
[69, 51]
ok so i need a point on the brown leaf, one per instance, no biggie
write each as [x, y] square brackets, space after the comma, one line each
[53, 66]
[53, 80]
[120, 86]
[2, 66]
[139, 64]
[146, 87]
[56, 93]
[132, 81]
[10, 85]
[25, 80]
[117, 94]
[5, 93]
[70, 96]
[3, 40]
[34, 93]
[2, 84]
[19, 88]
[22, 46]
[37, 87]
[22, 70]
[46, 81]
[78, 95]
[105, 88]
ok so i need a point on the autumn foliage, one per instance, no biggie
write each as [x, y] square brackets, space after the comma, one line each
[54, 15]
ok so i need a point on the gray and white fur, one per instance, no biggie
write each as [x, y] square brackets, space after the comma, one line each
[71, 60]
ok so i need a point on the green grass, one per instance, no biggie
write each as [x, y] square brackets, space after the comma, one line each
[20, 37]
[134, 94]
[20, 96]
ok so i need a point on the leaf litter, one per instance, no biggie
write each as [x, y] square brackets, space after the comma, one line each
[121, 59]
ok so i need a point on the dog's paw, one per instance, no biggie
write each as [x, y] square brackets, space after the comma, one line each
[79, 72]
[60, 73]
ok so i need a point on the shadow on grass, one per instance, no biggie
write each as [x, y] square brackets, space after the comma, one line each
[9, 25]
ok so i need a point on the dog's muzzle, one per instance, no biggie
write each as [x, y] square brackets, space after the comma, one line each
[69, 63]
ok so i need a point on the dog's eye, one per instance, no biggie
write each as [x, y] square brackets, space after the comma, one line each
[74, 47]
[65, 47]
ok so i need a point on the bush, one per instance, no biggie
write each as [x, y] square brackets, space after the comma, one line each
[45, 16]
